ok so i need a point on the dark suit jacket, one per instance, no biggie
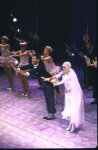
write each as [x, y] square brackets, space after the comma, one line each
[40, 71]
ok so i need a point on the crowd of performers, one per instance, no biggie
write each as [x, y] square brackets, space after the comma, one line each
[48, 75]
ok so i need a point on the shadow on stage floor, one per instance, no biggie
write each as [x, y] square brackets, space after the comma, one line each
[22, 124]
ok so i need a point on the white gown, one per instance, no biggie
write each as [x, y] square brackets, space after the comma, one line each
[51, 67]
[74, 105]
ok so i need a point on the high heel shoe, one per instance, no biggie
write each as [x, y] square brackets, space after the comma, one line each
[27, 93]
[22, 94]
[72, 128]
[69, 127]
[9, 88]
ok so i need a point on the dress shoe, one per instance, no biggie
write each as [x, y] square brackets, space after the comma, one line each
[45, 116]
[50, 116]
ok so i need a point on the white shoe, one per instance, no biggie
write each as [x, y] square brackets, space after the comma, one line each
[9, 89]
[22, 94]
[69, 127]
[72, 128]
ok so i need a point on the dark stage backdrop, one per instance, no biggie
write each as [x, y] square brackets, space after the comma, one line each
[56, 21]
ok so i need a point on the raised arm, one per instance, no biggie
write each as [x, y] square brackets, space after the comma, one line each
[14, 53]
[24, 54]
[6, 45]
[58, 75]
[49, 59]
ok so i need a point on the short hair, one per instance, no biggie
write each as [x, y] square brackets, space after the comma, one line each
[37, 56]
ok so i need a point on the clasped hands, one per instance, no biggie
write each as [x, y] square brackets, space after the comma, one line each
[52, 80]
[18, 71]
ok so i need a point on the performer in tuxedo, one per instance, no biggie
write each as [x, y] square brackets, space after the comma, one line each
[38, 68]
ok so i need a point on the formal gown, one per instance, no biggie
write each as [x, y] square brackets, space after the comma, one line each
[73, 105]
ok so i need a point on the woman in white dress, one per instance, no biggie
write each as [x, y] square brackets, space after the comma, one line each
[74, 105]
[24, 60]
[7, 60]
[50, 65]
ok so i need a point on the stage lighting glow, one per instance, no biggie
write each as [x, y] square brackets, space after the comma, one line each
[11, 14]
[18, 30]
[14, 19]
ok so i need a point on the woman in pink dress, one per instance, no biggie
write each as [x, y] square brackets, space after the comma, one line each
[7, 60]
[23, 54]
[50, 65]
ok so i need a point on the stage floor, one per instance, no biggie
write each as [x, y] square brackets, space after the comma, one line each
[22, 124]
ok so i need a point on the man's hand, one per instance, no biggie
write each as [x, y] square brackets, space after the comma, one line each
[95, 62]
[23, 73]
[45, 79]
[87, 61]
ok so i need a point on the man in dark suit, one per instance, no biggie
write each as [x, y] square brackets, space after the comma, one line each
[38, 68]
[91, 54]
[81, 49]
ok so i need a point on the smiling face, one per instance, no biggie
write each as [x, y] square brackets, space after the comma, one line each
[46, 51]
[35, 61]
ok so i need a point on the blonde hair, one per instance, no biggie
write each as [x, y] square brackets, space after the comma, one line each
[49, 49]
[67, 64]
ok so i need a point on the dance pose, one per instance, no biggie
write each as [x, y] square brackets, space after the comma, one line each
[7, 60]
[38, 68]
[24, 60]
[50, 66]
[74, 105]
